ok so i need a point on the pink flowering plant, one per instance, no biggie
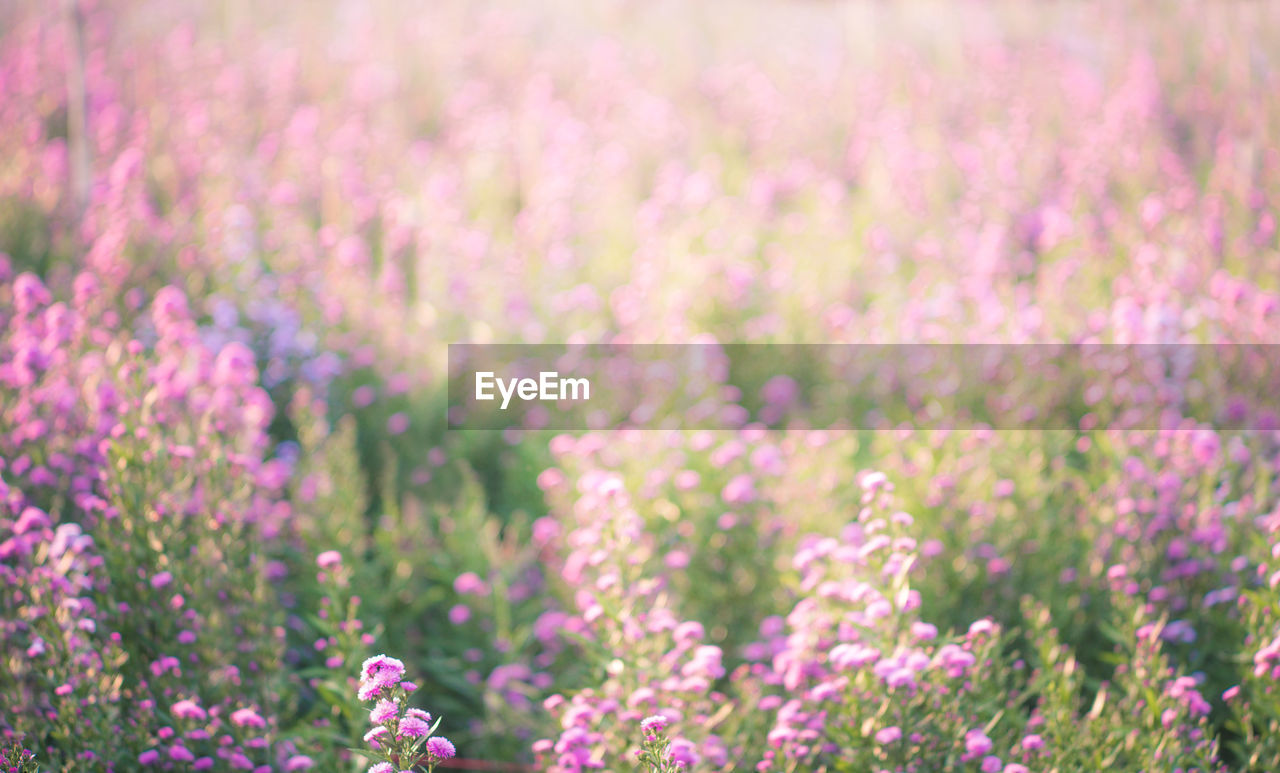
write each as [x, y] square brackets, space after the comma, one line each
[18, 758]
[402, 737]
[657, 754]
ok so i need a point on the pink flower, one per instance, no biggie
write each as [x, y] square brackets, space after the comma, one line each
[382, 671]
[419, 713]
[235, 365]
[888, 735]
[440, 748]
[188, 709]
[329, 559]
[683, 752]
[981, 627]
[924, 631]
[739, 490]
[247, 718]
[384, 712]
[976, 742]
[363, 396]
[412, 727]
[397, 424]
[469, 583]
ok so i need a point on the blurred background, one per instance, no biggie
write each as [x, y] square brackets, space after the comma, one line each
[341, 189]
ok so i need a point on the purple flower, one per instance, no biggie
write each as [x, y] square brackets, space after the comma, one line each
[924, 631]
[397, 424]
[740, 490]
[440, 748]
[653, 724]
[384, 712]
[188, 709]
[976, 742]
[683, 752]
[382, 767]
[888, 735]
[412, 727]
[247, 718]
[235, 365]
[382, 671]
[469, 583]
[419, 714]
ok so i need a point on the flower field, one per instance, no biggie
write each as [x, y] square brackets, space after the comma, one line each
[238, 532]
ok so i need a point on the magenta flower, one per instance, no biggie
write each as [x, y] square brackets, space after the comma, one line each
[683, 752]
[384, 712]
[459, 614]
[419, 714]
[412, 727]
[247, 718]
[469, 583]
[397, 424]
[888, 735]
[976, 742]
[188, 709]
[440, 748]
[382, 671]
[740, 490]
